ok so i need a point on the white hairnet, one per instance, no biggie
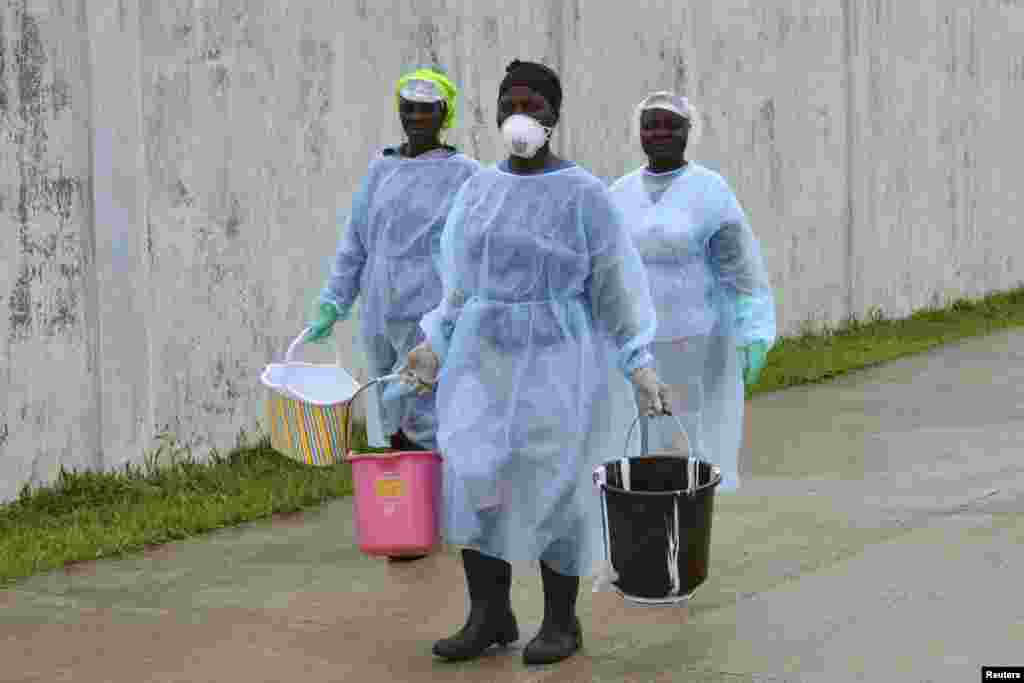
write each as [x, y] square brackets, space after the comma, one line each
[669, 101]
[421, 90]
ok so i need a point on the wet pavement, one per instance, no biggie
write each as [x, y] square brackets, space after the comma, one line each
[879, 536]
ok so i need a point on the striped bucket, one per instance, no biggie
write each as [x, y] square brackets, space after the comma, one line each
[308, 409]
[307, 433]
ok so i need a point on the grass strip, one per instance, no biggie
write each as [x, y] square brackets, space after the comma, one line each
[87, 515]
[820, 355]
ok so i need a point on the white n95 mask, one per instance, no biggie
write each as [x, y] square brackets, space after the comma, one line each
[524, 135]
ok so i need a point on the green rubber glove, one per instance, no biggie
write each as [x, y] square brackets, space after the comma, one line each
[320, 329]
[753, 358]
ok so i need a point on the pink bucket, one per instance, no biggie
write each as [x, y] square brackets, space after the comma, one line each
[397, 502]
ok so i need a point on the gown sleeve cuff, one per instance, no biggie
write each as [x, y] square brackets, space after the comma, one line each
[639, 358]
[327, 297]
[438, 331]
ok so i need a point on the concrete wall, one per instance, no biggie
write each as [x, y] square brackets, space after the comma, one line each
[170, 171]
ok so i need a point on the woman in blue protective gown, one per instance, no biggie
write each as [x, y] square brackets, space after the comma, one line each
[543, 293]
[716, 311]
[385, 254]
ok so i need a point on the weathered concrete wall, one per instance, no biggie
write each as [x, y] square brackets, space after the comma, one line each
[170, 171]
[51, 365]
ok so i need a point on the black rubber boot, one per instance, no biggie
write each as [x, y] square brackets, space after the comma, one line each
[490, 621]
[401, 442]
[560, 634]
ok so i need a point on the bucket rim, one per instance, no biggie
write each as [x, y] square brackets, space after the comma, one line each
[352, 456]
[285, 394]
[293, 366]
[716, 477]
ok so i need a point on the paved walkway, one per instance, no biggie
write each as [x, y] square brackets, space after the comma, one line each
[879, 537]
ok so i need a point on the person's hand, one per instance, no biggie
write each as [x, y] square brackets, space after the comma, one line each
[753, 357]
[421, 368]
[652, 395]
[320, 329]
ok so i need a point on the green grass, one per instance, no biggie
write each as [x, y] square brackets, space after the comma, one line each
[820, 355]
[87, 515]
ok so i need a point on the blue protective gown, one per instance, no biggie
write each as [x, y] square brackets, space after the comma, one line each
[386, 255]
[546, 312]
[712, 294]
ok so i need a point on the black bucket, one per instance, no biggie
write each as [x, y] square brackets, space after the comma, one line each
[657, 513]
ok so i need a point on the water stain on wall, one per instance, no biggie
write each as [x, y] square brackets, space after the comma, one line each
[786, 23]
[212, 42]
[766, 125]
[876, 96]
[673, 59]
[182, 31]
[575, 20]
[880, 12]
[476, 111]
[150, 247]
[220, 80]
[718, 51]
[30, 60]
[490, 31]
[222, 381]
[234, 219]
[315, 98]
[60, 94]
[795, 259]
[20, 305]
[427, 40]
[181, 196]
[972, 45]
[1016, 69]
[3, 66]
[50, 260]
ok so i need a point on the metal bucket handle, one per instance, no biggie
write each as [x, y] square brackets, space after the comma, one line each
[290, 353]
[348, 404]
[599, 473]
[691, 462]
[629, 434]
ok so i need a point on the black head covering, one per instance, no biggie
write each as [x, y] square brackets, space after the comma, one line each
[536, 77]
